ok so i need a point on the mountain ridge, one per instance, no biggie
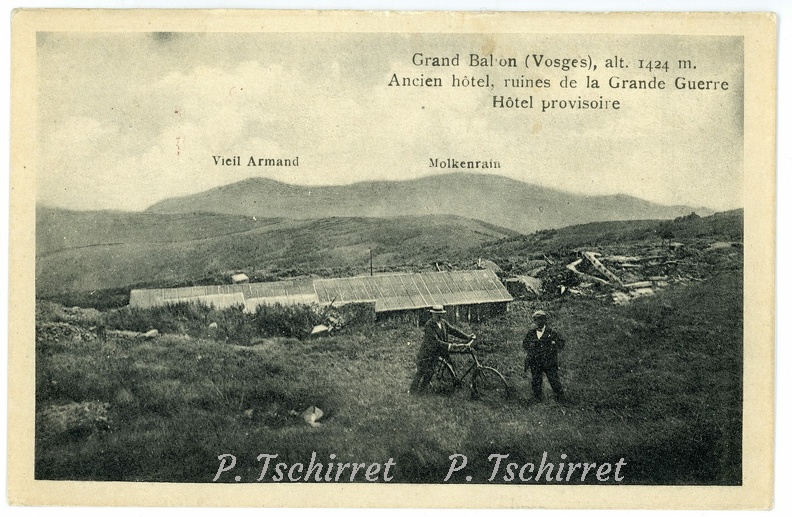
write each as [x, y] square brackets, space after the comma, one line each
[498, 200]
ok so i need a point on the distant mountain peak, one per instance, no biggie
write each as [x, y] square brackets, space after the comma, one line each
[493, 199]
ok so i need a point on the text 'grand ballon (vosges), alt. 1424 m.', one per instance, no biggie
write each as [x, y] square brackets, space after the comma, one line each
[567, 75]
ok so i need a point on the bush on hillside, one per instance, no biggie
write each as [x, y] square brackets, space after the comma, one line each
[285, 320]
[228, 325]
[178, 318]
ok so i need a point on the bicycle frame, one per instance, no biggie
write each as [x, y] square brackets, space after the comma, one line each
[473, 366]
[483, 380]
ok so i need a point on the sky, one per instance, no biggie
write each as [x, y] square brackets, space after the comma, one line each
[127, 119]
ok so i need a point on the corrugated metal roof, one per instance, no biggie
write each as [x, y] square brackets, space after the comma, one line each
[218, 301]
[402, 291]
[286, 292]
[145, 298]
[391, 292]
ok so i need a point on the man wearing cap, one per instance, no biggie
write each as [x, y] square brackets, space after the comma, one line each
[435, 344]
[542, 344]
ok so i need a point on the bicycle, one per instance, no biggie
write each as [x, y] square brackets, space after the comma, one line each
[486, 383]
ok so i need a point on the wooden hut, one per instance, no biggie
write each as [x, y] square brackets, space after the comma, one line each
[467, 295]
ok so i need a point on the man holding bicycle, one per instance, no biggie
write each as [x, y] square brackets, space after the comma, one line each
[437, 332]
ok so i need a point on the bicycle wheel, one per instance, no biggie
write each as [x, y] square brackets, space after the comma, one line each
[444, 380]
[490, 386]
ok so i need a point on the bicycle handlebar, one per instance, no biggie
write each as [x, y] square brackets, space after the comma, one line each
[461, 347]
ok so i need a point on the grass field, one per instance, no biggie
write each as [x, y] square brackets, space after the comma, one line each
[657, 382]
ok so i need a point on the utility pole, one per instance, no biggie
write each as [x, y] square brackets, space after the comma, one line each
[371, 262]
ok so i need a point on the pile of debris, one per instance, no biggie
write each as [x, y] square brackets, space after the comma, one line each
[635, 279]
[328, 320]
[335, 317]
[62, 332]
[621, 272]
[51, 311]
[645, 271]
[81, 314]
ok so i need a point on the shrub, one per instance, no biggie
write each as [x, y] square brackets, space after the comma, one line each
[180, 318]
[286, 320]
[232, 324]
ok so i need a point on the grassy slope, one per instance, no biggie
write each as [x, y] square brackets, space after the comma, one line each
[656, 382]
[719, 226]
[58, 229]
[100, 250]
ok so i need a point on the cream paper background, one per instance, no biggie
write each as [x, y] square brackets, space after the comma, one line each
[759, 191]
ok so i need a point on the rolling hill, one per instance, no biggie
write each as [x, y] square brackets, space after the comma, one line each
[497, 200]
[87, 251]
[720, 226]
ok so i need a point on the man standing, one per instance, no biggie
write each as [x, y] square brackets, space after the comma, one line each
[435, 344]
[542, 345]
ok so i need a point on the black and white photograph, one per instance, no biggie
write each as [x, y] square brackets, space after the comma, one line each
[476, 252]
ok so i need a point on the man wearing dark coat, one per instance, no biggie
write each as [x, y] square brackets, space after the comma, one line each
[436, 343]
[542, 344]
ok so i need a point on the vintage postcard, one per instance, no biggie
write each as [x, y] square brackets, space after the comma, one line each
[392, 259]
